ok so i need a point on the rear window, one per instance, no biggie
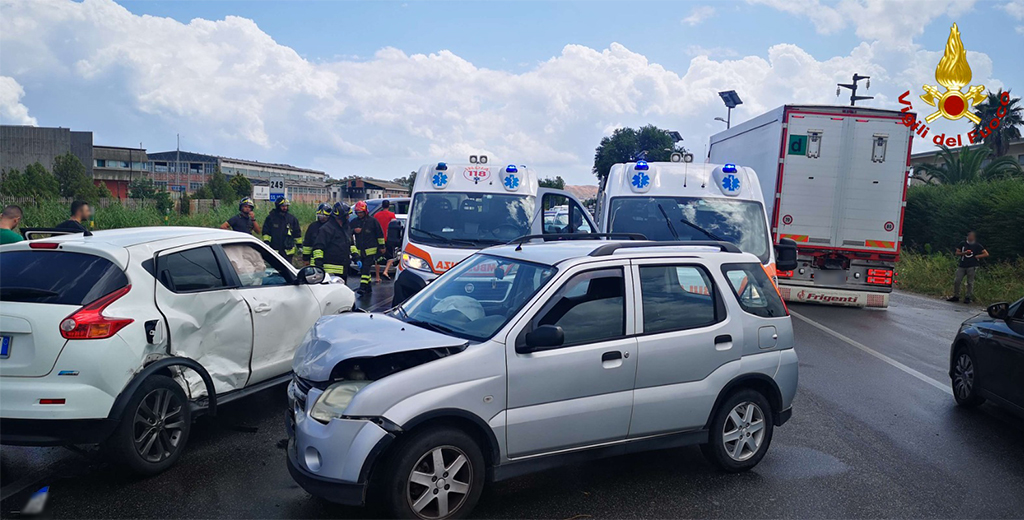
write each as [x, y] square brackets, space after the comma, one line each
[57, 277]
[754, 290]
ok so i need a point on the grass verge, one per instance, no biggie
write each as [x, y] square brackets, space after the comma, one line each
[933, 275]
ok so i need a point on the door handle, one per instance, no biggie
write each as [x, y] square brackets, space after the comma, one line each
[724, 338]
[261, 308]
[610, 356]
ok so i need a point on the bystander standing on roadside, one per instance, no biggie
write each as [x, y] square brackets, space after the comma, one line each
[384, 216]
[80, 214]
[9, 219]
[968, 252]
[245, 220]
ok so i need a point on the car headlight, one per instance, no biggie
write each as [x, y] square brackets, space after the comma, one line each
[415, 262]
[335, 399]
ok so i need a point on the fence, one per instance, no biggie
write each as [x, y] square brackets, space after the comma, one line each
[66, 202]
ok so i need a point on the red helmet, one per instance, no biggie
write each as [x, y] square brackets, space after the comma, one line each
[361, 206]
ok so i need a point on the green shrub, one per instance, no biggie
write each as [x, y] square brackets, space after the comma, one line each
[938, 217]
[933, 275]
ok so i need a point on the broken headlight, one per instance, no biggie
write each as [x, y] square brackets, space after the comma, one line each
[335, 399]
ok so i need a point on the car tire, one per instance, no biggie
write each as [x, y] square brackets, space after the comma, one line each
[413, 485]
[965, 379]
[741, 431]
[154, 427]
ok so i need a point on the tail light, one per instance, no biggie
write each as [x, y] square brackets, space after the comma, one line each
[785, 274]
[89, 321]
[43, 245]
[880, 276]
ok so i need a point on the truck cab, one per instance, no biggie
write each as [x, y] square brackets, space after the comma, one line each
[682, 201]
[459, 208]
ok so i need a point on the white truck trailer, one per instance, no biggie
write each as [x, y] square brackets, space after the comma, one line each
[835, 181]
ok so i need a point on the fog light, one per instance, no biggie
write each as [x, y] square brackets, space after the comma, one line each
[801, 270]
[312, 459]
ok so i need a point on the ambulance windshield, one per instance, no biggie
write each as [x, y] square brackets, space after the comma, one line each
[463, 220]
[740, 222]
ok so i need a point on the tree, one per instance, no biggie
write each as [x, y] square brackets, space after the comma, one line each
[204, 192]
[966, 166]
[242, 186]
[219, 186]
[407, 180]
[557, 183]
[142, 188]
[649, 143]
[71, 178]
[1013, 117]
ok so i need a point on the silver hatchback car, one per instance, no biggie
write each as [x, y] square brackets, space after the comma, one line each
[524, 357]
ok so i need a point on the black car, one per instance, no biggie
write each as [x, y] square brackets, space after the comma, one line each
[987, 358]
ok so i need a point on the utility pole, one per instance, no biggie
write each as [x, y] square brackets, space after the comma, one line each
[177, 162]
[854, 98]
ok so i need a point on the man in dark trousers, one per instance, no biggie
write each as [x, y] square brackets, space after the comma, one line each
[323, 212]
[333, 243]
[969, 252]
[281, 229]
[80, 214]
[245, 220]
[369, 243]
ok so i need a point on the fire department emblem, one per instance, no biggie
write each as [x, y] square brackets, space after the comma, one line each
[953, 73]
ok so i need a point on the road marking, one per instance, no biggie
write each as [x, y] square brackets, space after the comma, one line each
[910, 371]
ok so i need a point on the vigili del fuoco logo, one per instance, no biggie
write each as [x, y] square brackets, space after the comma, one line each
[953, 73]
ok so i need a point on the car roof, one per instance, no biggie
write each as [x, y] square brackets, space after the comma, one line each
[559, 251]
[128, 237]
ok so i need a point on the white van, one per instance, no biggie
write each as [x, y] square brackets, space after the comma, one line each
[458, 209]
[683, 201]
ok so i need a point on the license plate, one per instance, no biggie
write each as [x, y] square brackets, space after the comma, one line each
[5, 347]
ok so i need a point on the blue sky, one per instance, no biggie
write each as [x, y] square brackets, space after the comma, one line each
[377, 88]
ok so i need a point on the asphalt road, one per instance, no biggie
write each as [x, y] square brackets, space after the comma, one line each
[874, 433]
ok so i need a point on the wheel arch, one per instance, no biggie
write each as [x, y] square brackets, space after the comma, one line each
[163, 366]
[758, 382]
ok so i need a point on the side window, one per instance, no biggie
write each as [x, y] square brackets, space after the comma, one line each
[590, 307]
[190, 271]
[255, 267]
[677, 298]
[563, 215]
[754, 290]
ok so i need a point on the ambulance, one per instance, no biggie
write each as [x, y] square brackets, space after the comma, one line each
[458, 209]
[683, 201]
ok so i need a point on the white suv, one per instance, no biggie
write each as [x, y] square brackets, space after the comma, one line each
[524, 357]
[122, 337]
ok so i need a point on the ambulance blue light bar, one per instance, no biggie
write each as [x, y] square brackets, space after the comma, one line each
[441, 167]
[642, 165]
[511, 169]
[729, 168]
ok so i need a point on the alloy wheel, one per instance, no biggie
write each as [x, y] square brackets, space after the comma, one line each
[440, 482]
[158, 425]
[963, 376]
[743, 431]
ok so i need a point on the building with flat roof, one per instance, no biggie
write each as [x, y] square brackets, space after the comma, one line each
[21, 146]
[188, 171]
[365, 188]
[117, 167]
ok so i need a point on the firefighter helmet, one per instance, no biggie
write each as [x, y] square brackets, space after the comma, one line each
[361, 206]
[323, 209]
[246, 202]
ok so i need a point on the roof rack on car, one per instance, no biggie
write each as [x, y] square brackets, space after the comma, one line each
[608, 249]
[574, 236]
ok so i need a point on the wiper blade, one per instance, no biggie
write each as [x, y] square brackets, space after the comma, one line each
[447, 240]
[707, 233]
[431, 326]
[669, 222]
[26, 291]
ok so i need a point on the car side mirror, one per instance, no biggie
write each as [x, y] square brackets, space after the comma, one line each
[312, 275]
[785, 255]
[999, 311]
[543, 338]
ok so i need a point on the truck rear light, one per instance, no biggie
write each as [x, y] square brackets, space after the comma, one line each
[52, 401]
[89, 321]
[880, 272]
[880, 276]
[879, 280]
[43, 245]
[785, 274]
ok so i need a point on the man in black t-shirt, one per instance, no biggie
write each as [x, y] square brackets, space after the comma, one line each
[80, 214]
[245, 220]
[969, 252]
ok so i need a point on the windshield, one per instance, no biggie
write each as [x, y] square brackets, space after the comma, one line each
[469, 219]
[740, 222]
[477, 297]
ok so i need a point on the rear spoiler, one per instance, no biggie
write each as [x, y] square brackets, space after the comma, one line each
[37, 233]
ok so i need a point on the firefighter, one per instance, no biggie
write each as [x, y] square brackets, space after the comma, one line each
[369, 244]
[333, 243]
[245, 220]
[281, 229]
[323, 212]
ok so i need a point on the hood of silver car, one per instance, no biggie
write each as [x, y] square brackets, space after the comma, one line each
[360, 335]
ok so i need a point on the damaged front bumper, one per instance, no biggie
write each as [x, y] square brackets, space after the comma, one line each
[332, 461]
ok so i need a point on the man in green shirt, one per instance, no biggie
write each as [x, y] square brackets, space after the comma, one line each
[9, 219]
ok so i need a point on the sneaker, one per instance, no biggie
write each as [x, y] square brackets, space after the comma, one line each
[953, 299]
[967, 300]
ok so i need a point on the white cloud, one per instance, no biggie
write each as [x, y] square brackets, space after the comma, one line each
[234, 88]
[12, 112]
[699, 14]
[1015, 9]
